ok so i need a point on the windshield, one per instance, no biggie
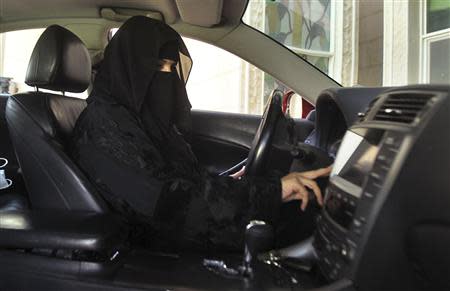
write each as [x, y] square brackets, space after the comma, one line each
[362, 42]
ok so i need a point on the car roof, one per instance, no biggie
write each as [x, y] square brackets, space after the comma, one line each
[13, 10]
[194, 12]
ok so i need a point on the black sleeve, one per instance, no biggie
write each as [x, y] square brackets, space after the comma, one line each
[161, 189]
[213, 212]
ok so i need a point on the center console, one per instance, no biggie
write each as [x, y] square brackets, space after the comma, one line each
[387, 183]
[359, 175]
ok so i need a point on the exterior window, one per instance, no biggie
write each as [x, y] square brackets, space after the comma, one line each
[302, 26]
[438, 15]
[15, 51]
[436, 42]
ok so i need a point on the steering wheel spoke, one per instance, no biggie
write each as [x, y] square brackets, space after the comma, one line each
[261, 146]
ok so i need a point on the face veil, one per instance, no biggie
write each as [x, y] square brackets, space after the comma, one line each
[130, 74]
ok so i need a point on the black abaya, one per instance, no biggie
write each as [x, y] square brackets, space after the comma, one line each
[131, 143]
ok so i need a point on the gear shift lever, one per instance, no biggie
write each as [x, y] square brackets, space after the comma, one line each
[259, 237]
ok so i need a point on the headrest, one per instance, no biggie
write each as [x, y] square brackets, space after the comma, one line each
[60, 62]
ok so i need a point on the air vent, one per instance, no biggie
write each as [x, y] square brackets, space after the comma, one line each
[402, 108]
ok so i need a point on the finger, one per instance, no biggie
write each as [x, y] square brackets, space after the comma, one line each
[301, 188]
[302, 194]
[297, 191]
[238, 174]
[323, 172]
[305, 200]
[313, 186]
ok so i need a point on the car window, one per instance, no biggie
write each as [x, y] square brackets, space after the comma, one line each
[15, 51]
[221, 81]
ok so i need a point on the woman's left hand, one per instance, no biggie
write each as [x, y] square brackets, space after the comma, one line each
[238, 174]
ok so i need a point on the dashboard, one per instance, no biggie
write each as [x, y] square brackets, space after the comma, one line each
[336, 110]
[386, 205]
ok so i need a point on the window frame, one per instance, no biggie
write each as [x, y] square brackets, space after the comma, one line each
[426, 39]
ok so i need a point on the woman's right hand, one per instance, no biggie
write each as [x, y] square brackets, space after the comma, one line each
[294, 186]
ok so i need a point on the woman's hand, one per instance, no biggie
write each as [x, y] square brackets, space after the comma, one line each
[238, 174]
[294, 186]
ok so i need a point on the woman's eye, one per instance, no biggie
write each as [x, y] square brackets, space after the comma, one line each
[165, 68]
[166, 65]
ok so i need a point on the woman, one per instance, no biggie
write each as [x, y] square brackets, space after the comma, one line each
[131, 143]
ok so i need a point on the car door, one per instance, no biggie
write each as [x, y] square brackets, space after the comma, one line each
[220, 140]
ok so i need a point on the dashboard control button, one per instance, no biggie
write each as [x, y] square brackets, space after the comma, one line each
[394, 150]
[357, 223]
[393, 140]
[390, 140]
[333, 274]
[351, 243]
[376, 176]
[351, 253]
[368, 194]
[382, 157]
[384, 168]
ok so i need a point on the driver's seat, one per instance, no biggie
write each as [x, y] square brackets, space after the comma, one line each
[40, 124]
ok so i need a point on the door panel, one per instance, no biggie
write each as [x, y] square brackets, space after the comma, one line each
[221, 140]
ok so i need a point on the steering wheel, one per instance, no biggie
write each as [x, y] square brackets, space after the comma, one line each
[259, 153]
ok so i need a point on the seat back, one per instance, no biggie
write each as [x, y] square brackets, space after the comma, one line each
[40, 124]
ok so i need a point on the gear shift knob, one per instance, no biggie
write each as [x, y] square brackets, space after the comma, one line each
[259, 237]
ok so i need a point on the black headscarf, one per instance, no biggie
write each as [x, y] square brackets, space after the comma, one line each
[130, 74]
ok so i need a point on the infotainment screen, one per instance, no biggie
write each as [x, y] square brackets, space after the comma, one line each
[356, 156]
[348, 146]
[353, 163]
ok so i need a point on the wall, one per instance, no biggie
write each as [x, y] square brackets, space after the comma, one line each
[370, 43]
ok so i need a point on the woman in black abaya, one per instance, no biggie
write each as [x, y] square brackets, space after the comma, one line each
[131, 141]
